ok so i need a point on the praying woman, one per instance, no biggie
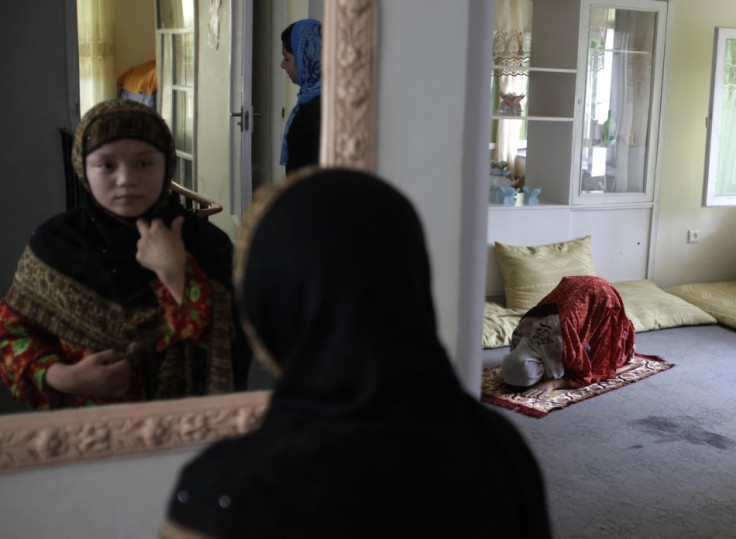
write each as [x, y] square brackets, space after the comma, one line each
[577, 335]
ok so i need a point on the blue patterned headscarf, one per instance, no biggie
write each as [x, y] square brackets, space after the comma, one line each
[306, 45]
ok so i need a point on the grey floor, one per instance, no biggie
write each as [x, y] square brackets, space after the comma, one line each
[653, 459]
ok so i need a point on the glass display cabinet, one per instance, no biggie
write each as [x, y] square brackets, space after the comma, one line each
[589, 126]
[621, 69]
[578, 98]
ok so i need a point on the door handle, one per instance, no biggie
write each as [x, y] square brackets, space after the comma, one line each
[244, 121]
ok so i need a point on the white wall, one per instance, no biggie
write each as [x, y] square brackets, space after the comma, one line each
[683, 156]
[123, 499]
[135, 33]
[432, 131]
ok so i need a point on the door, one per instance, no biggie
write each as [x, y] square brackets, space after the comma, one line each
[223, 48]
[241, 106]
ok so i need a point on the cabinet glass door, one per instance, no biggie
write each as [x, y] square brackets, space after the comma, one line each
[621, 103]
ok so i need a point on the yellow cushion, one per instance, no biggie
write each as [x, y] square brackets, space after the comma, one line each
[718, 299]
[498, 324]
[530, 273]
[649, 307]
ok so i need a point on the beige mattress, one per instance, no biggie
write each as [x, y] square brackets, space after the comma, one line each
[647, 306]
[717, 299]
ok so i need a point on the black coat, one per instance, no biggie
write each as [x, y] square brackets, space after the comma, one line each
[303, 136]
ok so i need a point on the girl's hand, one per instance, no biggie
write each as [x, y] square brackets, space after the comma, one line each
[161, 250]
[102, 374]
[545, 387]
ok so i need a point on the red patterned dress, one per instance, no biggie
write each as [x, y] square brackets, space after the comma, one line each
[27, 350]
[591, 315]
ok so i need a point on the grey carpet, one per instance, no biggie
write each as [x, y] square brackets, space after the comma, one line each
[653, 459]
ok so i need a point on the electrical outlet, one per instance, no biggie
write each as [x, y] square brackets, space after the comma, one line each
[693, 236]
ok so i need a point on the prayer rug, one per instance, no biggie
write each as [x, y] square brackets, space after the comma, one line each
[495, 391]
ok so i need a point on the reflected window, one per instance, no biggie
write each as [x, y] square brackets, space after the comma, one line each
[618, 93]
[176, 54]
[510, 84]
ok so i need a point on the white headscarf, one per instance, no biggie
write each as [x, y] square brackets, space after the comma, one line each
[523, 366]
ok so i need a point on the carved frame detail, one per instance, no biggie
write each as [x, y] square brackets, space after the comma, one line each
[33, 440]
[30, 440]
[348, 102]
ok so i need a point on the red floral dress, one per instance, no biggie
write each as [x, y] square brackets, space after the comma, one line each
[591, 314]
[27, 351]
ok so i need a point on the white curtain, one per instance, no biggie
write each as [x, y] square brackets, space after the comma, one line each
[631, 96]
[96, 36]
[726, 168]
[621, 103]
[511, 44]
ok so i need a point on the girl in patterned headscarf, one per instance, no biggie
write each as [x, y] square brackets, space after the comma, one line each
[302, 51]
[127, 297]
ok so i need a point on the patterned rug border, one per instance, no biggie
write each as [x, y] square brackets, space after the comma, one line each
[494, 390]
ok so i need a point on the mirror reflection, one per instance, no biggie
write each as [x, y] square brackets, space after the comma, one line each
[617, 100]
[127, 297]
[197, 39]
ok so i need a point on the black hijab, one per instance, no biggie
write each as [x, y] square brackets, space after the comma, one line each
[93, 247]
[96, 247]
[369, 433]
[337, 288]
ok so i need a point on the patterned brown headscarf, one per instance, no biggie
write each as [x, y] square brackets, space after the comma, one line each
[123, 119]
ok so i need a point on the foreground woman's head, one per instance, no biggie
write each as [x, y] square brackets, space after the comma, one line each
[332, 279]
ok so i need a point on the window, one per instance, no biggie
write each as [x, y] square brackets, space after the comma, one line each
[175, 55]
[720, 160]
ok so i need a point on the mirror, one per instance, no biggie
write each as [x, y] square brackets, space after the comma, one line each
[720, 165]
[50, 438]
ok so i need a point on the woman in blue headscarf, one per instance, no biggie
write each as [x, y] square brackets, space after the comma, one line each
[302, 52]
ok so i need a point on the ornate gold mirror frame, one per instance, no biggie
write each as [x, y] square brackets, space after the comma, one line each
[32, 440]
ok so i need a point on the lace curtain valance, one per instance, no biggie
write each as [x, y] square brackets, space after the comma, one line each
[511, 46]
[513, 35]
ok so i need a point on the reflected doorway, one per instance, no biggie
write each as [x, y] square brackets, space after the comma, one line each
[240, 97]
